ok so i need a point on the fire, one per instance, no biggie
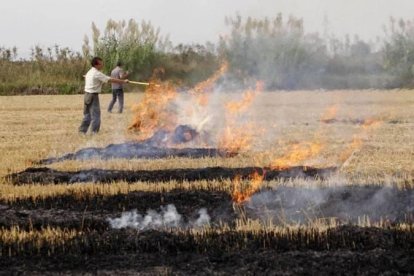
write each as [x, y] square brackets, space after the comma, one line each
[208, 84]
[234, 139]
[238, 136]
[296, 154]
[199, 92]
[240, 106]
[154, 111]
[240, 193]
[235, 107]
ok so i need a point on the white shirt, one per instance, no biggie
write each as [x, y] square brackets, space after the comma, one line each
[94, 80]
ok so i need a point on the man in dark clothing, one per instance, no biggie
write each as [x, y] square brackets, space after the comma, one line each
[118, 88]
[94, 80]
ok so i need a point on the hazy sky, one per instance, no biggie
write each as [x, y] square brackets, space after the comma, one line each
[25, 23]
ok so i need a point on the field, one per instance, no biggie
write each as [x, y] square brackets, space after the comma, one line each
[313, 182]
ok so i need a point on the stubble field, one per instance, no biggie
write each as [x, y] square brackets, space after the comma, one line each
[346, 207]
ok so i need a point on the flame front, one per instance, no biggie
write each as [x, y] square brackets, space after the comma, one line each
[200, 91]
[154, 111]
[296, 154]
[238, 135]
[233, 139]
[235, 107]
[208, 84]
[240, 193]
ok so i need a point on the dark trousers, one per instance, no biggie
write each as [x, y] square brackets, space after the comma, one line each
[117, 94]
[91, 113]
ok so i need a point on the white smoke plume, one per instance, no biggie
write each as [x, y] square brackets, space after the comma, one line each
[203, 219]
[168, 217]
[347, 204]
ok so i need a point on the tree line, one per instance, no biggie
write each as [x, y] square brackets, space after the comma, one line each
[276, 50]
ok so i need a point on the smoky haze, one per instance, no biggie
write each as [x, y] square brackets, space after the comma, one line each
[25, 23]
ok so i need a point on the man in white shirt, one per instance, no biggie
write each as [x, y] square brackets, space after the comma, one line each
[94, 80]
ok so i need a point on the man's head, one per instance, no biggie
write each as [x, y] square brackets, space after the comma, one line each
[97, 62]
[119, 63]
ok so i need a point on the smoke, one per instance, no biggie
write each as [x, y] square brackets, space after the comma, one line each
[345, 204]
[218, 112]
[168, 217]
[206, 118]
[203, 219]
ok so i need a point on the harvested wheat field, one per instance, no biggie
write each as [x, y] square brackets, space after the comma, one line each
[256, 182]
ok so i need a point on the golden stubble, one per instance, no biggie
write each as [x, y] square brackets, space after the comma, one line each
[37, 127]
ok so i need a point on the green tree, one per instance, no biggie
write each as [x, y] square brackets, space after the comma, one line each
[399, 52]
[137, 45]
[190, 64]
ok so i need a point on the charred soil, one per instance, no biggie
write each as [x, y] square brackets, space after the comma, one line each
[100, 249]
[47, 176]
[222, 248]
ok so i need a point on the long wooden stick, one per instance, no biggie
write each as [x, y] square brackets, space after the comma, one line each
[138, 82]
[142, 83]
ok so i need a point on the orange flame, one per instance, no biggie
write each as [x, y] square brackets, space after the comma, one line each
[234, 107]
[154, 111]
[240, 193]
[234, 139]
[240, 106]
[199, 91]
[296, 154]
[208, 84]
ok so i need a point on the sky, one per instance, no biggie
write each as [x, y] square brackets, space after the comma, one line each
[26, 23]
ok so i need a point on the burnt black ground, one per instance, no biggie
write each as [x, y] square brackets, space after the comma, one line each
[261, 262]
[353, 251]
[346, 250]
[136, 151]
[92, 212]
[281, 205]
[46, 175]
[160, 145]
[347, 204]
